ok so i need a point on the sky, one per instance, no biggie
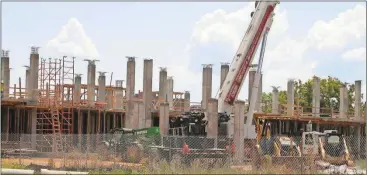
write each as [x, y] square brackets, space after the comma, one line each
[306, 39]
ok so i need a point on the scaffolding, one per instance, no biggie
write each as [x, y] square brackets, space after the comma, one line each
[55, 117]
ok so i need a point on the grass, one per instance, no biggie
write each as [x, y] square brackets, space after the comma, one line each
[361, 164]
[12, 164]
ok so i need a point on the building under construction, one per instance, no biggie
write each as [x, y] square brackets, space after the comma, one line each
[54, 102]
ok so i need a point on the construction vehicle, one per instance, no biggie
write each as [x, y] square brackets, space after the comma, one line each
[131, 144]
[329, 146]
[262, 19]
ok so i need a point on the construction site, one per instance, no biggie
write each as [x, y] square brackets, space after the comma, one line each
[54, 112]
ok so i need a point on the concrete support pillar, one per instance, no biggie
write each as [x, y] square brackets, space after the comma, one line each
[290, 97]
[118, 98]
[27, 78]
[170, 92]
[187, 102]
[359, 137]
[316, 97]
[251, 77]
[224, 68]
[212, 113]
[207, 85]
[77, 88]
[238, 135]
[164, 118]
[5, 73]
[137, 117]
[102, 87]
[343, 101]
[34, 127]
[275, 101]
[147, 91]
[34, 64]
[91, 82]
[357, 100]
[130, 89]
[110, 100]
[162, 84]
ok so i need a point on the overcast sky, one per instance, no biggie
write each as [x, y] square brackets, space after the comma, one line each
[306, 39]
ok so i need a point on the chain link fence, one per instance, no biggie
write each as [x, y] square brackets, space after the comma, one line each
[186, 154]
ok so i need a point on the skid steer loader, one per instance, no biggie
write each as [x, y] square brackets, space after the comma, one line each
[329, 146]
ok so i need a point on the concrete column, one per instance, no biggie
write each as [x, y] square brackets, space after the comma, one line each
[77, 88]
[212, 115]
[275, 101]
[358, 135]
[170, 92]
[238, 135]
[316, 97]
[91, 82]
[162, 84]
[137, 118]
[187, 102]
[130, 88]
[290, 97]
[207, 85]
[343, 101]
[34, 127]
[5, 73]
[119, 94]
[102, 87]
[224, 68]
[27, 77]
[164, 118]
[259, 95]
[357, 100]
[34, 64]
[251, 77]
[147, 91]
[109, 99]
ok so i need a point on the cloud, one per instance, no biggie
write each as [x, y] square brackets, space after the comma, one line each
[337, 33]
[358, 54]
[285, 56]
[72, 40]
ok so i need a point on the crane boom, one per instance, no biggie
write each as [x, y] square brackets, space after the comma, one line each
[260, 23]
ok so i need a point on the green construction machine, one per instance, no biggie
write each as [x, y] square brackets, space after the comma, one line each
[132, 144]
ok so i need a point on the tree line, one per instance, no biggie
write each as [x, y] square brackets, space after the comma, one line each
[329, 91]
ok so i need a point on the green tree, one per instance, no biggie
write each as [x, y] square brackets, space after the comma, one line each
[329, 92]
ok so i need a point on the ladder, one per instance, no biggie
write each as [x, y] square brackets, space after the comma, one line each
[57, 141]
